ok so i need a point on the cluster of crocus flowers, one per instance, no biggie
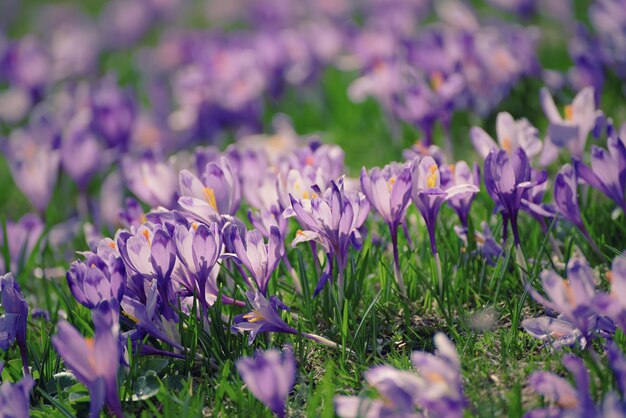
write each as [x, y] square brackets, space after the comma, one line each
[434, 387]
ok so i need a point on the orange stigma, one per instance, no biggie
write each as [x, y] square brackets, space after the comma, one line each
[209, 196]
[569, 113]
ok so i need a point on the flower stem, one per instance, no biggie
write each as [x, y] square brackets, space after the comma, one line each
[396, 259]
[294, 276]
[439, 273]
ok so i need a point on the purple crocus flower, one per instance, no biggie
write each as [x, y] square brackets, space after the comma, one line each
[264, 317]
[569, 400]
[95, 361]
[512, 134]
[34, 163]
[572, 130]
[435, 390]
[573, 299]
[94, 280]
[151, 180]
[199, 247]
[333, 219]
[608, 170]
[14, 398]
[460, 174]
[389, 191]
[566, 200]
[270, 376]
[259, 258]
[22, 237]
[14, 321]
[507, 178]
[217, 193]
[81, 152]
[613, 304]
[113, 113]
[428, 196]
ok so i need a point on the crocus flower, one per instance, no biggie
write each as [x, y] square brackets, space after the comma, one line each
[199, 247]
[568, 400]
[14, 398]
[34, 163]
[81, 152]
[512, 134]
[613, 304]
[460, 174]
[94, 280]
[22, 237]
[572, 130]
[270, 376]
[14, 321]
[573, 299]
[608, 170]
[333, 219]
[151, 180]
[259, 258]
[435, 389]
[114, 112]
[95, 361]
[566, 200]
[428, 196]
[265, 317]
[389, 191]
[217, 193]
[507, 178]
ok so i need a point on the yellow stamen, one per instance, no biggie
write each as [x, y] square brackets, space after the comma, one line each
[452, 168]
[143, 218]
[435, 377]
[90, 343]
[391, 182]
[506, 144]
[569, 293]
[112, 245]
[194, 226]
[436, 80]
[309, 160]
[313, 195]
[432, 176]
[92, 265]
[299, 232]
[569, 113]
[254, 316]
[146, 235]
[209, 196]
[609, 276]
[132, 318]
[305, 195]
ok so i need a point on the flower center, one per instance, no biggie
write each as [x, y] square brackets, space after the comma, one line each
[432, 176]
[506, 144]
[209, 196]
[569, 113]
[436, 80]
[254, 316]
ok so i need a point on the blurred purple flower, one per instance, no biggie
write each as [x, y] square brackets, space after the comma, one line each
[613, 304]
[113, 113]
[13, 324]
[151, 180]
[435, 390]
[94, 361]
[573, 299]
[14, 398]
[566, 200]
[608, 170]
[512, 134]
[22, 237]
[270, 376]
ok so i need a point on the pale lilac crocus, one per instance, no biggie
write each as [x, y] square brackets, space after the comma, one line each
[435, 389]
[572, 129]
[94, 361]
[567, 400]
[389, 191]
[511, 134]
[607, 173]
[22, 238]
[270, 376]
[217, 193]
[566, 200]
[259, 258]
[94, 280]
[613, 303]
[428, 196]
[460, 174]
[573, 299]
[151, 180]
